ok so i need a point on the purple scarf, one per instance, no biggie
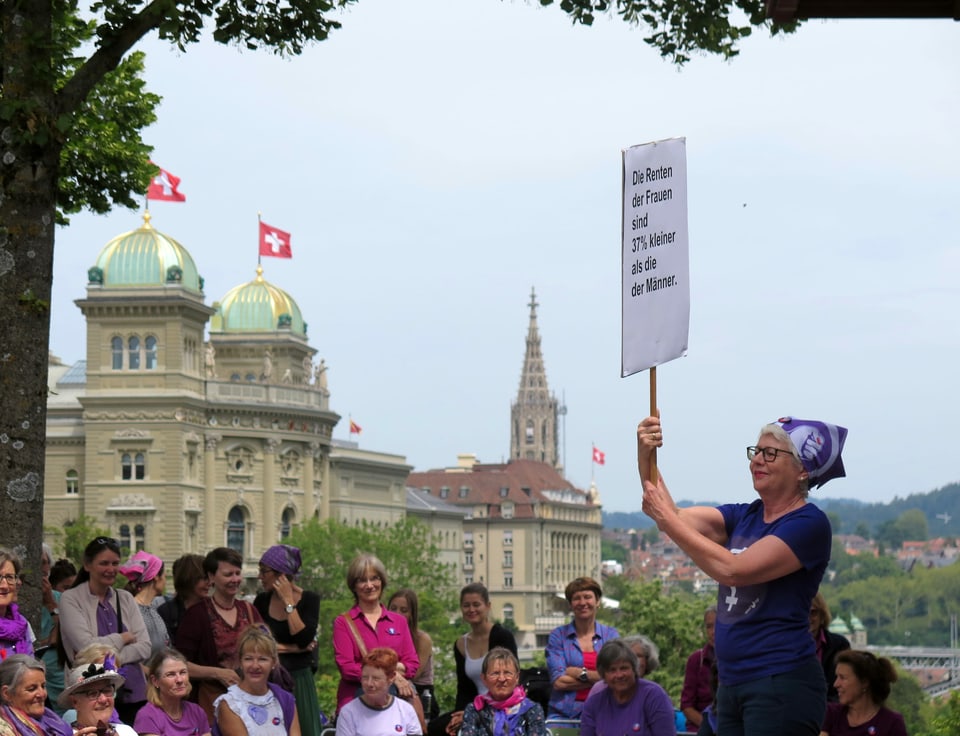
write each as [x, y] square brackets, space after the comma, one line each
[506, 713]
[13, 629]
[50, 724]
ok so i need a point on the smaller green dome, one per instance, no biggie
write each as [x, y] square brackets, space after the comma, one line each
[145, 257]
[257, 306]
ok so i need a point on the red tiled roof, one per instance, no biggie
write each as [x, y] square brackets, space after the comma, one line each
[485, 481]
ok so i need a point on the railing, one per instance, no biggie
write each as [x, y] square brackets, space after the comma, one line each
[230, 392]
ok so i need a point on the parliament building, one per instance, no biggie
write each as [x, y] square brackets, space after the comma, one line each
[192, 425]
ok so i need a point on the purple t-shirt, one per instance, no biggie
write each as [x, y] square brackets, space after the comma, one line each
[648, 713]
[886, 723]
[764, 629]
[152, 720]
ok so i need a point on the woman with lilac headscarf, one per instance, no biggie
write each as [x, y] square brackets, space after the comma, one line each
[768, 558]
[292, 614]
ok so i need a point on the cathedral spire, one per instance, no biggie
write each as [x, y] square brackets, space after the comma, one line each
[533, 425]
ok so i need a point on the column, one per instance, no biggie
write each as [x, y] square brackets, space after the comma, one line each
[269, 534]
[211, 538]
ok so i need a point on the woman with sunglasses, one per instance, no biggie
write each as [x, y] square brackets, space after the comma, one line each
[93, 611]
[768, 557]
[14, 630]
[91, 691]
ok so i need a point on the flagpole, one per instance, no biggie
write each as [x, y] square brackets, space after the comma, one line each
[259, 220]
[593, 457]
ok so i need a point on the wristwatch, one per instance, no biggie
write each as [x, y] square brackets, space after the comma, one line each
[290, 608]
[583, 674]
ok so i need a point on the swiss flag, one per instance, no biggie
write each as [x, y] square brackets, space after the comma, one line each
[164, 187]
[599, 458]
[274, 242]
[355, 428]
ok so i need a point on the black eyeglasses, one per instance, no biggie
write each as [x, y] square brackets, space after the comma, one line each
[107, 542]
[769, 453]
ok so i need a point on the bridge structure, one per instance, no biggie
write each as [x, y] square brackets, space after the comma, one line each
[919, 659]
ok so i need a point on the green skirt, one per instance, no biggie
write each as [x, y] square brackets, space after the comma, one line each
[308, 709]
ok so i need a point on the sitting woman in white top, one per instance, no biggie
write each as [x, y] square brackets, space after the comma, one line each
[376, 711]
[255, 706]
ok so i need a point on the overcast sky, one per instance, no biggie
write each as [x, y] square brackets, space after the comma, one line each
[433, 160]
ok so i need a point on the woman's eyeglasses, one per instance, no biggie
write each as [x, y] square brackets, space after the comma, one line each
[769, 453]
[10, 580]
[106, 692]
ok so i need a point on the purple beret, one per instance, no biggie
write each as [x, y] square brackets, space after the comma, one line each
[283, 558]
[819, 445]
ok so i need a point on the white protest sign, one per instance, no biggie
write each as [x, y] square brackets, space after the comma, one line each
[656, 263]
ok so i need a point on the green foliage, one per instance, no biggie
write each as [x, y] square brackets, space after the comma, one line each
[673, 621]
[108, 163]
[680, 27]
[850, 568]
[909, 609]
[73, 538]
[908, 699]
[610, 550]
[409, 555]
[945, 717]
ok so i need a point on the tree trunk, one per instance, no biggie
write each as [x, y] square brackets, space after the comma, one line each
[29, 168]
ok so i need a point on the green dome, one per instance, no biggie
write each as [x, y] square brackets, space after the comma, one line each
[145, 257]
[257, 306]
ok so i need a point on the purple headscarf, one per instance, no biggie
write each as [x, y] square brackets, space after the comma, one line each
[819, 445]
[283, 558]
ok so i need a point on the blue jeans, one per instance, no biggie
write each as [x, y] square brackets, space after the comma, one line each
[790, 704]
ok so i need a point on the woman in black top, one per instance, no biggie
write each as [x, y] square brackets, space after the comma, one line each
[292, 614]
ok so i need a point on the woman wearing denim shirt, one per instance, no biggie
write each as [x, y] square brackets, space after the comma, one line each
[572, 650]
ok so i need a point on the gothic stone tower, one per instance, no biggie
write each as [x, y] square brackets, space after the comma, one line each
[533, 416]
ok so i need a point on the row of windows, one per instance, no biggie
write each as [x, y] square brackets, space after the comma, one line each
[134, 354]
[507, 558]
[237, 527]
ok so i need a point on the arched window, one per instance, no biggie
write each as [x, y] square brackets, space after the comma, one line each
[508, 612]
[236, 529]
[530, 432]
[133, 466]
[150, 357]
[73, 482]
[286, 522]
[125, 537]
[139, 538]
[116, 351]
[133, 353]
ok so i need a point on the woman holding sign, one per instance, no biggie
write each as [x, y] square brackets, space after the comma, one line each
[768, 557]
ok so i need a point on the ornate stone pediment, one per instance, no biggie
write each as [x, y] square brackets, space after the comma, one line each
[131, 502]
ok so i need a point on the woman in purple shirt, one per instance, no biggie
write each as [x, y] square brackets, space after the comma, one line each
[768, 558]
[629, 704]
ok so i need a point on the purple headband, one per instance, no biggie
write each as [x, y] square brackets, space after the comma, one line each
[142, 567]
[819, 445]
[283, 558]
